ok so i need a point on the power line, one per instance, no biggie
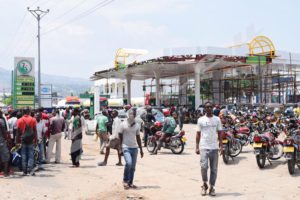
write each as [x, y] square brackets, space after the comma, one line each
[10, 43]
[70, 10]
[82, 15]
[29, 46]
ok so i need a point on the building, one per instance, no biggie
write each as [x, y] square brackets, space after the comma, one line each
[114, 88]
[254, 73]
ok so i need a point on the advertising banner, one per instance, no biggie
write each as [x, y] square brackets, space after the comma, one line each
[46, 95]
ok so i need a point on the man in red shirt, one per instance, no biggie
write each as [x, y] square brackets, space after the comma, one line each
[27, 137]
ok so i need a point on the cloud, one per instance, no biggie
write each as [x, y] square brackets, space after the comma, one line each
[138, 7]
[77, 30]
[138, 28]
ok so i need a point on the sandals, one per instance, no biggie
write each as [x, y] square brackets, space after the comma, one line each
[126, 186]
[204, 189]
[133, 186]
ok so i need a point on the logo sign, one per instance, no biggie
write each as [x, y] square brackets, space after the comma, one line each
[24, 67]
[45, 90]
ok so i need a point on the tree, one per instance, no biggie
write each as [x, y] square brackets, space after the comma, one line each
[8, 100]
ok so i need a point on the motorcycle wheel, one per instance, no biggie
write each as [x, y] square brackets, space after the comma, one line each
[236, 149]
[291, 165]
[176, 145]
[151, 145]
[261, 160]
[226, 155]
[279, 153]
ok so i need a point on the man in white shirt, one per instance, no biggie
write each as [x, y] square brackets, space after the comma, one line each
[209, 136]
[41, 130]
[12, 124]
[130, 141]
[114, 141]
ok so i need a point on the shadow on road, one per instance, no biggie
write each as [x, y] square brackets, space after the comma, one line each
[237, 159]
[44, 175]
[170, 153]
[246, 151]
[148, 187]
[223, 194]
[87, 159]
[274, 164]
[88, 166]
[50, 170]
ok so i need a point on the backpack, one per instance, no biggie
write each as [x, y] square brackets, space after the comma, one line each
[28, 135]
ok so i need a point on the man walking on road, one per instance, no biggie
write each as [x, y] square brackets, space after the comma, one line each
[209, 136]
[76, 137]
[101, 130]
[114, 141]
[41, 129]
[57, 124]
[130, 140]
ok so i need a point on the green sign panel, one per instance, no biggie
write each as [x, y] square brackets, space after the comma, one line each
[24, 83]
[256, 60]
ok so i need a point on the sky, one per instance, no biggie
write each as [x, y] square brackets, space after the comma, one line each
[80, 37]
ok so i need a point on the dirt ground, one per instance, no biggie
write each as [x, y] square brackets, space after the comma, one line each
[162, 177]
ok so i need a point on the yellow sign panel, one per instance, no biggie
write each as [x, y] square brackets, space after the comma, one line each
[25, 98]
[23, 106]
[25, 79]
[25, 102]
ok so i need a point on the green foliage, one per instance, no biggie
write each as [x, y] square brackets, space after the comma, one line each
[8, 100]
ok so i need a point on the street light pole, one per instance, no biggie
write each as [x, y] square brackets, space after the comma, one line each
[39, 14]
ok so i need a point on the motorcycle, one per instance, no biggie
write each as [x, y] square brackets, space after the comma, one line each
[291, 150]
[267, 147]
[232, 146]
[175, 142]
[244, 134]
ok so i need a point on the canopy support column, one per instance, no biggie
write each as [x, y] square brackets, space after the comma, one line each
[157, 88]
[128, 83]
[197, 87]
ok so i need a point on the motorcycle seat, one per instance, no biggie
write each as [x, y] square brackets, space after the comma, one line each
[244, 130]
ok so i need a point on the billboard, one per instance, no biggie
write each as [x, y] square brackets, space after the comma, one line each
[46, 95]
[24, 82]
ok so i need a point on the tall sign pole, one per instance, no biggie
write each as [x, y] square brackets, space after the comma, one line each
[39, 14]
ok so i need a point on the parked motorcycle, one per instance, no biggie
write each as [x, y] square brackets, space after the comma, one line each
[244, 134]
[175, 143]
[291, 150]
[267, 147]
[232, 146]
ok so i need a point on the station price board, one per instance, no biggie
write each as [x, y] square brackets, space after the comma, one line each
[24, 91]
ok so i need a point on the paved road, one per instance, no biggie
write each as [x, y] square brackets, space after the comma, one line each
[162, 177]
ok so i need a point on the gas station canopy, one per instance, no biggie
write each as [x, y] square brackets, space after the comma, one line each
[171, 66]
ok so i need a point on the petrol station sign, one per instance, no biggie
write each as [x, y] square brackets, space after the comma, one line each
[24, 83]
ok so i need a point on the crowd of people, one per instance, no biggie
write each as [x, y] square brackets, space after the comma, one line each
[27, 137]
[31, 135]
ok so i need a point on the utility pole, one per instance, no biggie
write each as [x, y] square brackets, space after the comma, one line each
[39, 14]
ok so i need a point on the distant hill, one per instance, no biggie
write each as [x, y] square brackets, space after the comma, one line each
[63, 85]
